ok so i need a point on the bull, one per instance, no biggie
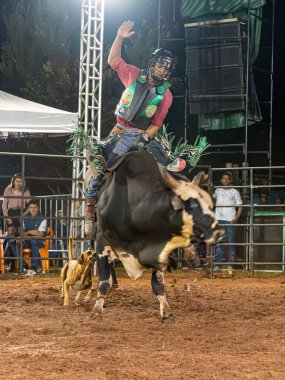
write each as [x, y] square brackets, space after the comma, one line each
[143, 215]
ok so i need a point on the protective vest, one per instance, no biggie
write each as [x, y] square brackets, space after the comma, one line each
[33, 223]
[138, 104]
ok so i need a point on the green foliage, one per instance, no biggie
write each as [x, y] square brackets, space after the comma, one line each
[191, 153]
[80, 143]
[38, 54]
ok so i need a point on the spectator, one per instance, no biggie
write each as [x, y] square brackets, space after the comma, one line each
[12, 203]
[10, 250]
[35, 226]
[228, 211]
[263, 200]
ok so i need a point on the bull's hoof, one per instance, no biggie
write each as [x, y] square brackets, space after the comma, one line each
[168, 317]
[97, 314]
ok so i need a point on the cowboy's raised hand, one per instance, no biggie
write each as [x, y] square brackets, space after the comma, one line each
[125, 30]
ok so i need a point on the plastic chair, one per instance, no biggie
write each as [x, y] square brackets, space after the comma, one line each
[44, 251]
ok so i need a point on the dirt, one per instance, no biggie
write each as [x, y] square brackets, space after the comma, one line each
[223, 329]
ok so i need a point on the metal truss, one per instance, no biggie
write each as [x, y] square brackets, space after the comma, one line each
[90, 96]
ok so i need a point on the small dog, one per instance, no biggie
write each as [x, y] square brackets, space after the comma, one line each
[78, 274]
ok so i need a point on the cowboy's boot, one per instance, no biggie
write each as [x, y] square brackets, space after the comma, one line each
[91, 200]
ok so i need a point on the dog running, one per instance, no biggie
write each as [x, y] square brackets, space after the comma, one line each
[78, 274]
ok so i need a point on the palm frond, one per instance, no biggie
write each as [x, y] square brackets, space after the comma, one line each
[192, 153]
[80, 142]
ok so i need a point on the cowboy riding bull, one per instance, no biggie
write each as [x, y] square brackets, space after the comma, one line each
[144, 214]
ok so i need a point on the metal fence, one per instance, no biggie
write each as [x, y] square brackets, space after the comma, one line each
[63, 223]
[260, 232]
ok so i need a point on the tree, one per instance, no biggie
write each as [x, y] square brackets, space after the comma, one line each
[39, 54]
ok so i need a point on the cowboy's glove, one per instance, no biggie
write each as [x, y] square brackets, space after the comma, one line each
[143, 140]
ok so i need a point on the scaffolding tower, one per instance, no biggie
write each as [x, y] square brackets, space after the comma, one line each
[242, 149]
[90, 97]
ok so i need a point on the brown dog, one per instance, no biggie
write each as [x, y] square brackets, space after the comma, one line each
[78, 274]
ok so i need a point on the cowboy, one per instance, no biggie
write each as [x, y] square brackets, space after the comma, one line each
[140, 112]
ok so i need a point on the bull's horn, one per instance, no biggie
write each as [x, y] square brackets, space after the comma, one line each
[167, 178]
[200, 177]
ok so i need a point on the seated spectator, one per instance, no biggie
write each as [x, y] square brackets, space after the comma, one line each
[35, 226]
[263, 200]
[11, 252]
[12, 203]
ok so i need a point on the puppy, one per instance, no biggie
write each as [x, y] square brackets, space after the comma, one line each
[78, 274]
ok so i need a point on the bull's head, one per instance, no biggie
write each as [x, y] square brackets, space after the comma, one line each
[197, 205]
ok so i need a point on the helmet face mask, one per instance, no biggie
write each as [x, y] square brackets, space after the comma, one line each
[160, 66]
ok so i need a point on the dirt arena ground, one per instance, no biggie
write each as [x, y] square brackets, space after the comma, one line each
[223, 329]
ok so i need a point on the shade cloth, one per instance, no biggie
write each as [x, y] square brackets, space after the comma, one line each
[19, 115]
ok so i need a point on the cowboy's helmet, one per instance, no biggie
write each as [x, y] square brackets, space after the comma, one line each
[164, 62]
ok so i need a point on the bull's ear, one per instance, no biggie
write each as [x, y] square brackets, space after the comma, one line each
[167, 178]
[199, 178]
[80, 259]
[177, 203]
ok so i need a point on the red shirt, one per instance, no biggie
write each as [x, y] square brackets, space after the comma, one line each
[128, 75]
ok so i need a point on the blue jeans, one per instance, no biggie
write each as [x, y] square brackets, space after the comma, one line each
[15, 250]
[115, 148]
[230, 237]
[35, 253]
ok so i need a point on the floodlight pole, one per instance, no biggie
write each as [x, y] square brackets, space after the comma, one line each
[89, 101]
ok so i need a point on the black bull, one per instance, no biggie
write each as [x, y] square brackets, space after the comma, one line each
[143, 215]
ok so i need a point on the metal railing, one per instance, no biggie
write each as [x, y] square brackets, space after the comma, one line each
[260, 237]
[261, 241]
